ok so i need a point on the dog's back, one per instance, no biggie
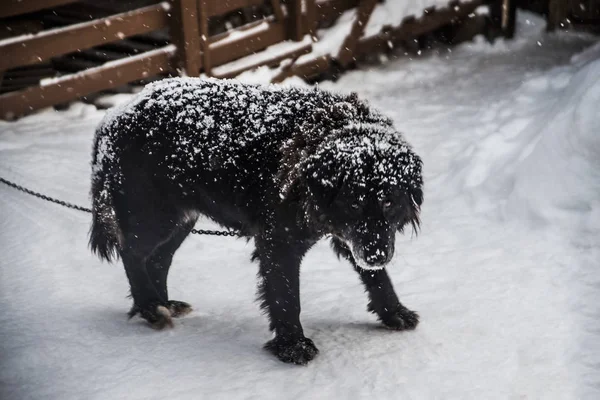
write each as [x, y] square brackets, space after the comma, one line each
[202, 141]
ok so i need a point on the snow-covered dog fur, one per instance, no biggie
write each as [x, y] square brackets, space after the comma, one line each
[284, 166]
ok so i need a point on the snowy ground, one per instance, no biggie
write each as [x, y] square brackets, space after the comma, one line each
[505, 273]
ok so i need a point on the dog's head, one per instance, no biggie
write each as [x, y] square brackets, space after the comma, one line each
[363, 184]
[367, 221]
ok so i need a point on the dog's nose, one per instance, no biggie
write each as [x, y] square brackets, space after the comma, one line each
[378, 257]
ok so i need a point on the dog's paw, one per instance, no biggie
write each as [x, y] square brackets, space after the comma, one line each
[158, 316]
[299, 351]
[178, 308]
[401, 320]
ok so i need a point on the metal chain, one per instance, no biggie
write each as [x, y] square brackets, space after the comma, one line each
[44, 197]
[88, 210]
[215, 233]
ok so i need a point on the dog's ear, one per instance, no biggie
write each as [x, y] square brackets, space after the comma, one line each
[416, 196]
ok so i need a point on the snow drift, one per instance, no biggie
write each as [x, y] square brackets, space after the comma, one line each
[557, 173]
[543, 164]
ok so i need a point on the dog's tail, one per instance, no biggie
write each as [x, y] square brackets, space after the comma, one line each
[105, 232]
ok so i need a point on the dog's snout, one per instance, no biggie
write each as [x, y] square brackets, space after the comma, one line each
[375, 243]
[377, 257]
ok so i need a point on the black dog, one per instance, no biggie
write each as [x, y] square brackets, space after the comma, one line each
[281, 165]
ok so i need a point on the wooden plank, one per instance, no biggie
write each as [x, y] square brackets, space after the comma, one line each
[331, 10]
[54, 42]
[220, 7]
[440, 18]
[185, 35]
[363, 13]
[237, 48]
[10, 8]
[305, 70]
[70, 87]
[412, 27]
[271, 61]
[241, 29]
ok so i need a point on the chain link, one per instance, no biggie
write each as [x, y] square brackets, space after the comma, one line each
[88, 210]
[215, 233]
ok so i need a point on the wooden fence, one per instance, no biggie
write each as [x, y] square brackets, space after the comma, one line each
[190, 46]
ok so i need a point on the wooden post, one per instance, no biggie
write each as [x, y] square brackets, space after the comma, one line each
[503, 16]
[312, 19]
[363, 13]
[557, 12]
[277, 10]
[184, 34]
[509, 18]
[203, 16]
[295, 20]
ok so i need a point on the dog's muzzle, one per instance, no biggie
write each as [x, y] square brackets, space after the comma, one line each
[377, 257]
[373, 251]
[369, 259]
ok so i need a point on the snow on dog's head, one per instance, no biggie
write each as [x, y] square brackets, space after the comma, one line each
[358, 178]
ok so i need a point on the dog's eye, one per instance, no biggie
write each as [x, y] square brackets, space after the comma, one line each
[355, 206]
[387, 204]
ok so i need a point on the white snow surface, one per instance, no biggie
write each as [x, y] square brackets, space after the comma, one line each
[505, 272]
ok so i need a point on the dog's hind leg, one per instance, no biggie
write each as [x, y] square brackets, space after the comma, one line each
[158, 268]
[145, 224]
[147, 219]
[279, 292]
[139, 246]
[383, 300]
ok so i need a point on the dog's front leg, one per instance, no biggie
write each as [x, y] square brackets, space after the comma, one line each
[383, 300]
[279, 291]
